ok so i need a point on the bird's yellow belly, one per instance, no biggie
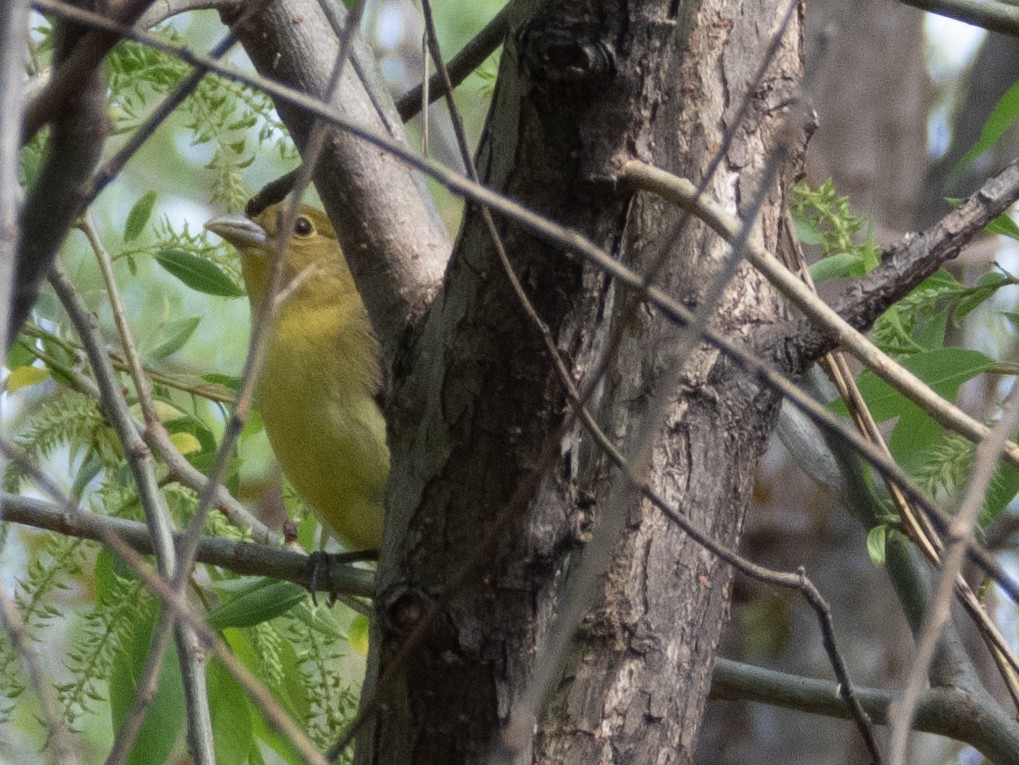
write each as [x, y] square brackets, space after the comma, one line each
[329, 438]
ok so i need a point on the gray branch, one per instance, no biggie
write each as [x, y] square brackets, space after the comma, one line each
[951, 713]
[989, 14]
[244, 558]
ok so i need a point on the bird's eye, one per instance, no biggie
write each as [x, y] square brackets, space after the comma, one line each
[303, 226]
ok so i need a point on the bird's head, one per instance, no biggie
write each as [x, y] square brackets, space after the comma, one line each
[311, 253]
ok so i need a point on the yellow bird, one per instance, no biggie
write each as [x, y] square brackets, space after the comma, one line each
[317, 392]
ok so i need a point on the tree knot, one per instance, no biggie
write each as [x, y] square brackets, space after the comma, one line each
[567, 54]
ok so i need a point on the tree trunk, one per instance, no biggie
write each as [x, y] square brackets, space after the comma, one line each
[583, 87]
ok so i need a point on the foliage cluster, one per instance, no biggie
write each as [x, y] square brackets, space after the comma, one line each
[918, 332]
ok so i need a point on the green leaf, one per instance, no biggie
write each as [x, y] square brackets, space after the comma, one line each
[1003, 225]
[23, 377]
[292, 698]
[876, 539]
[20, 355]
[232, 724]
[842, 264]
[806, 232]
[104, 574]
[179, 332]
[227, 381]
[89, 469]
[943, 369]
[929, 331]
[1003, 489]
[139, 216]
[197, 273]
[185, 443]
[321, 620]
[1000, 120]
[194, 428]
[985, 288]
[271, 598]
[275, 740]
[913, 437]
[165, 717]
[358, 634]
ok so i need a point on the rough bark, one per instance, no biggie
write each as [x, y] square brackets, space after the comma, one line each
[583, 87]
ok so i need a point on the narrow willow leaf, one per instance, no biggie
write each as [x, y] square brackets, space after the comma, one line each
[20, 355]
[876, 539]
[257, 606]
[186, 443]
[1003, 225]
[841, 264]
[1003, 489]
[1001, 118]
[180, 332]
[232, 724]
[358, 634]
[943, 369]
[89, 469]
[164, 719]
[139, 216]
[806, 232]
[197, 273]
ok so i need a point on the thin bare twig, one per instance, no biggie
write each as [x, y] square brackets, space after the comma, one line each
[115, 164]
[145, 691]
[140, 461]
[458, 68]
[944, 711]
[918, 525]
[185, 383]
[994, 15]
[178, 467]
[78, 67]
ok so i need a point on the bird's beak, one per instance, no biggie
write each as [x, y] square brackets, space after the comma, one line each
[239, 231]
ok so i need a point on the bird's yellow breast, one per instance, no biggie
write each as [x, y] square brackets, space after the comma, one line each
[316, 395]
